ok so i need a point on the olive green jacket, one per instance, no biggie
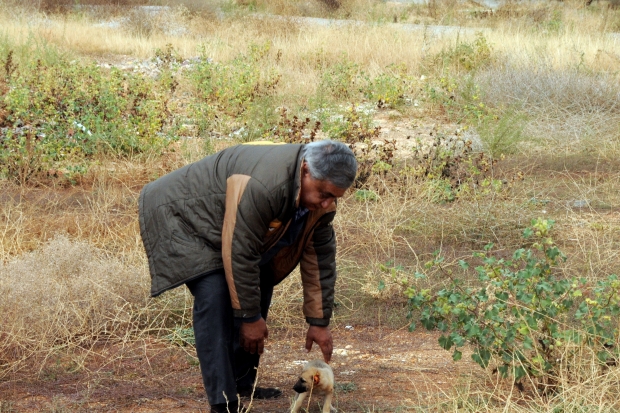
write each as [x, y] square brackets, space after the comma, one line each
[227, 209]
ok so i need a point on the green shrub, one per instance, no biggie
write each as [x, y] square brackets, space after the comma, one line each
[553, 25]
[501, 135]
[228, 92]
[365, 195]
[54, 113]
[348, 124]
[182, 336]
[522, 316]
[464, 56]
[462, 99]
[341, 81]
[451, 87]
[390, 88]
[459, 97]
[344, 81]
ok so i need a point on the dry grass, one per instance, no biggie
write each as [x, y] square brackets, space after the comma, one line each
[375, 47]
[73, 274]
[584, 388]
[66, 294]
[567, 109]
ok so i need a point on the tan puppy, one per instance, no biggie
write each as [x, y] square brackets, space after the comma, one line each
[316, 378]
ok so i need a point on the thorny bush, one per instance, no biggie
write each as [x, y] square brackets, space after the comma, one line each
[375, 156]
[523, 317]
[295, 130]
[450, 168]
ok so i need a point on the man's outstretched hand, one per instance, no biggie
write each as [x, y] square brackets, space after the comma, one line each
[252, 336]
[323, 337]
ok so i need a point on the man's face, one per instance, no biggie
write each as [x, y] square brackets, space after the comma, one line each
[315, 193]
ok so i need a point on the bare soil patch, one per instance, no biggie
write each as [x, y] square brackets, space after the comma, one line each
[376, 368]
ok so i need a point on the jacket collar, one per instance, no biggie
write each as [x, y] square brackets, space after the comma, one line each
[300, 164]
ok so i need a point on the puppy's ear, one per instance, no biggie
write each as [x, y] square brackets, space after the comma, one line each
[316, 378]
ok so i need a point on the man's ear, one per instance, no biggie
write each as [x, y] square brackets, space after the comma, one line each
[304, 169]
[317, 378]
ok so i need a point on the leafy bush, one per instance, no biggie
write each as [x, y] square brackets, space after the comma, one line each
[465, 100]
[523, 317]
[182, 336]
[464, 56]
[389, 89]
[345, 81]
[364, 195]
[458, 97]
[553, 25]
[501, 135]
[451, 86]
[54, 113]
[339, 81]
[227, 91]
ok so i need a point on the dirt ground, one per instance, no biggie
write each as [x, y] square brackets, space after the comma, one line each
[376, 370]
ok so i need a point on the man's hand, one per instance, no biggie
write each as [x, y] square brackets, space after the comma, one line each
[323, 337]
[252, 336]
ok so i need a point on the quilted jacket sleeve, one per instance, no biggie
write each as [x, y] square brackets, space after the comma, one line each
[318, 272]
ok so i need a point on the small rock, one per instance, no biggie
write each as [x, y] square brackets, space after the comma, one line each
[580, 203]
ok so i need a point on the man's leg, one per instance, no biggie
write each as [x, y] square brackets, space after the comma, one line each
[213, 330]
[247, 363]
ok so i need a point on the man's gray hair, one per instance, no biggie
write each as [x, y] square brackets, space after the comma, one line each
[331, 161]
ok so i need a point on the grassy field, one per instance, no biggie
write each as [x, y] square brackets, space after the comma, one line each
[97, 101]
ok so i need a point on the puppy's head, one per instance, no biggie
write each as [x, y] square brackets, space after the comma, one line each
[310, 379]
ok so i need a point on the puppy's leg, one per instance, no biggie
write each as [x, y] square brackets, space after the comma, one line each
[327, 407]
[300, 399]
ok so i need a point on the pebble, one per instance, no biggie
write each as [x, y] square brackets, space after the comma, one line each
[153, 67]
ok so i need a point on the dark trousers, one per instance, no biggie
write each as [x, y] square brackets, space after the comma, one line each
[223, 362]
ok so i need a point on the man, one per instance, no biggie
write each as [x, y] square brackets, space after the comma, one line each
[230, 227]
